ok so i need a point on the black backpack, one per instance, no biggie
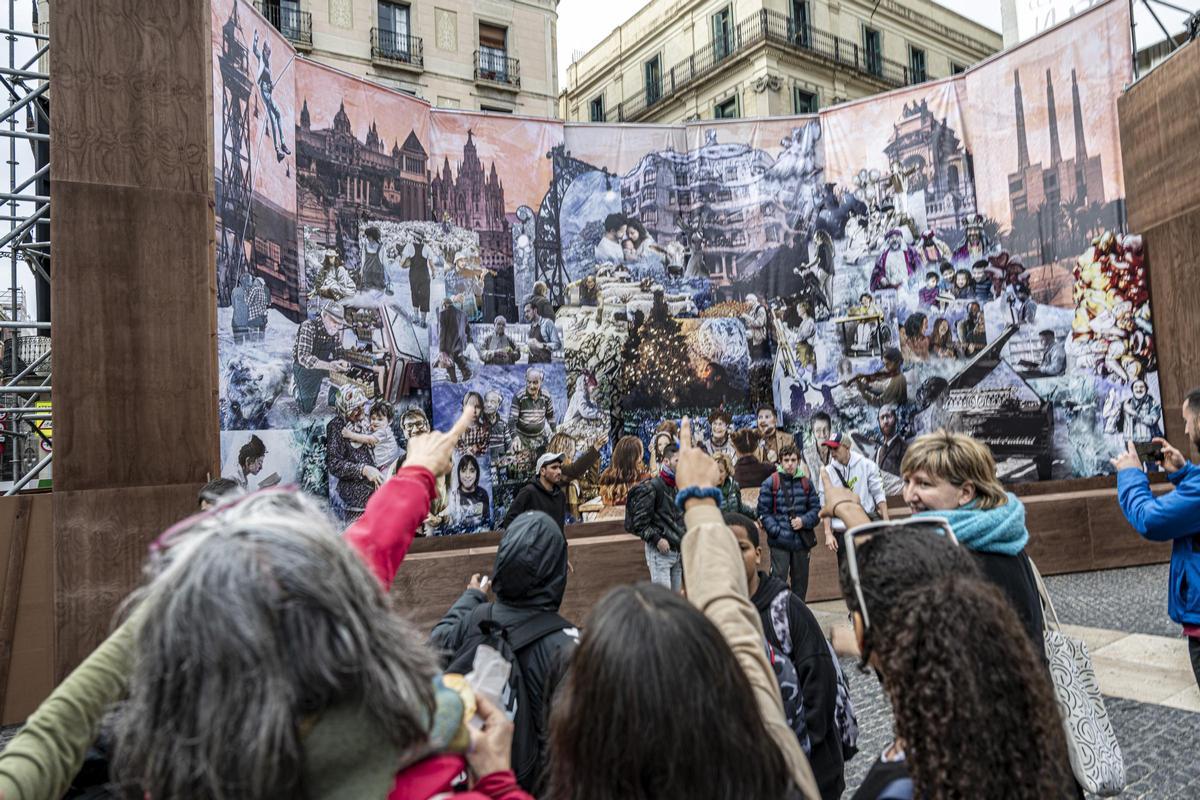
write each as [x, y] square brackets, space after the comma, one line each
[511, 643]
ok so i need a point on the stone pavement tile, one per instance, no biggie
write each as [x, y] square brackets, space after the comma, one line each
[1139, 648]
[1132, 599]
[1095, 638]
[1139, 682]
[1187, 700]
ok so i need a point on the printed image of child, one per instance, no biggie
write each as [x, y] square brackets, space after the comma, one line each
[376, 431]
[387, 450]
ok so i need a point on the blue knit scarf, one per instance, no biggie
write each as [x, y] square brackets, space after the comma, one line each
[995, 530]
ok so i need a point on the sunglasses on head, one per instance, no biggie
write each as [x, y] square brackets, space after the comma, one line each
[163, 540]
[856, 536]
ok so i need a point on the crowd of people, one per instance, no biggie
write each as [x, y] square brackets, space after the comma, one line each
[263, 656]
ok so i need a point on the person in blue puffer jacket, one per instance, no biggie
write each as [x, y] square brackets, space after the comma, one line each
[1173, 517]
[789, 507]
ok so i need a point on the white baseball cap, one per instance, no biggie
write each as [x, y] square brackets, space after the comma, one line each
[546, 460]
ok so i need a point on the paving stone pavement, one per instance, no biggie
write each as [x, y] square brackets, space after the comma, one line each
[1133, 600]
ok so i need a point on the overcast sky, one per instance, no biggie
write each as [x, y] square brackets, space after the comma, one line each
[582, 24]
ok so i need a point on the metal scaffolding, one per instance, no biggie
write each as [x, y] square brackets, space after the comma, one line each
[25, 431]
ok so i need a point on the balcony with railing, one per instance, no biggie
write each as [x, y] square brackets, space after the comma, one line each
[397, 49]
[293, 23]
[494, 67]
[773, 28]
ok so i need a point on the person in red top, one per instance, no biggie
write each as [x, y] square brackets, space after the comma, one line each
[294, 634]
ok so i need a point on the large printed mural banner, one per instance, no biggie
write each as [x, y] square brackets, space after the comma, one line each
[946, 255]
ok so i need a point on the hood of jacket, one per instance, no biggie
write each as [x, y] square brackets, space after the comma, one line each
[531, 564]
[768, 588]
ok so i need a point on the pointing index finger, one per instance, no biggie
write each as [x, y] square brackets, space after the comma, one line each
[685, 434]
[460, 425]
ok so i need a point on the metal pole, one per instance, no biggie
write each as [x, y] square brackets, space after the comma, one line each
[33, 137]
[29, 476]
[12, 205]
[25, 324]
[1166, 33]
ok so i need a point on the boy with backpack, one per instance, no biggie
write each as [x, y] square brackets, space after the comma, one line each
[524, 627]
[789, 508]
[798, 650]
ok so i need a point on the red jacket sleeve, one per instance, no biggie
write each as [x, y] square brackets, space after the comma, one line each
[385, 531]
[498, 786]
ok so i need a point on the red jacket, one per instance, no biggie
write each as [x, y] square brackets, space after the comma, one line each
[382, 536]
[432, 777]
[385, 531]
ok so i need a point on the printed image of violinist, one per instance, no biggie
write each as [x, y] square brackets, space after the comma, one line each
[886, 386]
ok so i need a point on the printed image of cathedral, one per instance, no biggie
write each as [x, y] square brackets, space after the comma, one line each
[342, 180]
[474, 199]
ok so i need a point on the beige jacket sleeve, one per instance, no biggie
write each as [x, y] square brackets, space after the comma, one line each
[716, 584]
[44, 757]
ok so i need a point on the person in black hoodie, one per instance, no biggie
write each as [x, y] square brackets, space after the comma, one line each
[543, 494]
[529, 579]
[792, 630]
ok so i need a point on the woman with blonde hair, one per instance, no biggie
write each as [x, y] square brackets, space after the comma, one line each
[627, 468]
[953, 476]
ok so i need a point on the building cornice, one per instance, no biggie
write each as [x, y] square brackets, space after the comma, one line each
[600, 74]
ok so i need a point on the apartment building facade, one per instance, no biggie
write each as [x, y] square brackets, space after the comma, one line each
[678, 60]
[488, 55]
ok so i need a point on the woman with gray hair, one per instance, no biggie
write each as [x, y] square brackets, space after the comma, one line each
[264, 660]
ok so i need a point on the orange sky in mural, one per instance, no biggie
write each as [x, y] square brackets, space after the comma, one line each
[856, 134]
[395, 114]
[271, 177]
[518, 147]
[1096, 45]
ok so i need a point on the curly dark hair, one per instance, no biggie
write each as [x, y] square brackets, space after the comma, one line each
[972, 700]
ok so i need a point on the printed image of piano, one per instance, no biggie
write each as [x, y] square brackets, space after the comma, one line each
[990, 401]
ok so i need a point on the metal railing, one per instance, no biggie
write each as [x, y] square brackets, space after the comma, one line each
[397, 48]
[774, 28]
[496, 66]
[296, 25]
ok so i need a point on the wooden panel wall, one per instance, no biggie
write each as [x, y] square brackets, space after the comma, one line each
[26, 604]
[1070, 532]
[133, 298]
[1160, 148]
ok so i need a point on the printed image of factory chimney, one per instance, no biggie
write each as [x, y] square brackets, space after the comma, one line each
[1053, 205]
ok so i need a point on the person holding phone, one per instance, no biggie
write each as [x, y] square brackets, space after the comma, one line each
[1173, 517]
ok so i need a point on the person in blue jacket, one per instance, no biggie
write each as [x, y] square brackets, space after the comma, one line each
[1173, 517]
[789, 507]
